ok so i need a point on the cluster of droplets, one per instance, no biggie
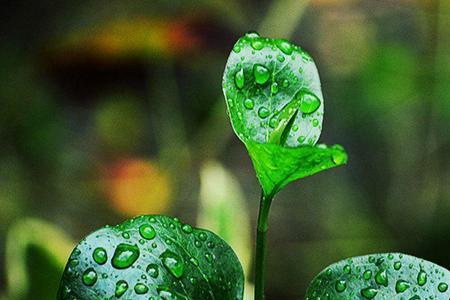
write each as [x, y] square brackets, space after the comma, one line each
[125, 255]
[387, 268]
[250, 81]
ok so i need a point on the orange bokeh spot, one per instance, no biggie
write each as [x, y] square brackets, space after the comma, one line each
[135, 187]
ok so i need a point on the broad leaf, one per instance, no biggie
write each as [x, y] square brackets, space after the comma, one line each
[152, 257]
[275, 103]
[381, 276]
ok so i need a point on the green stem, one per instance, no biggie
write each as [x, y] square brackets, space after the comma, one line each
[261, 245]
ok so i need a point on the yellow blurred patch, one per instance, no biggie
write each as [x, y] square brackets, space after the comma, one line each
[135, 187]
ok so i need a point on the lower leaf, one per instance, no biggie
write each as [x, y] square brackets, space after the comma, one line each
[381, 276]
[152, 257]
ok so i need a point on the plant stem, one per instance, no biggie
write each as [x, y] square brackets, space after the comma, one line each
[261, 245]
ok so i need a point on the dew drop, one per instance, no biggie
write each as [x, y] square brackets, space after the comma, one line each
[257, 44]
[340, 286]
[309, 102]
[442, 287]
[274, 88]
[125, 256]
[140, 288]
[422, 278]
[263, 112]
[285, 47]
[261, 74]
[147, 231]
[248, 103]
[89, 277]
[121, 288]
[367, 274]
[100, 256]
[401, 286]
[369, 293]
[187, 228]
[252, 35]
[152, 270]
[173, 263]
[239, 79]
[381, 278]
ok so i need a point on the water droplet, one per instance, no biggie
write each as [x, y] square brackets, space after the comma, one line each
[89, 277]
[285, 47]
[369, 293]
[274, 88]
[281, 58]
[340, 286]
[121, 288]
[397, 265]
[315, 123]
[381, 278]
[100, 256]
[236, 48]
[309, 102]
[147, 231]
[339, 157]
[347, 269]
[273, 122]
[401, 286]
[422, 278]
[252, 34]
[442, 287]
[140, 288]
[285, 83]
[263, 112]
[261, 74]
[126, 235]
[152, 270]
[187, 228]
[367, 274]
[257, 44]
[173, 263]
[125, 256]
[248, 103]
[210, 245]
[202, 236]
[239, 79]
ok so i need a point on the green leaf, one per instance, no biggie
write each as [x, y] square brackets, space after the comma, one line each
[36, 252]
[152, 256]
[275, 103]
[381, 276]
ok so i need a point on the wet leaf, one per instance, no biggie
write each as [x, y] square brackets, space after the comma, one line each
[387, 276]
[275, 103]
[152, 256]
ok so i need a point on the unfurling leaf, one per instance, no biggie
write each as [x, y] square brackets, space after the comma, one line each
[391, 276]
[152, 256]
[275, 103]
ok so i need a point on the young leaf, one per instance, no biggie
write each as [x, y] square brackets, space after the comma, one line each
[152, 256]
[275, 103]
[381, 276]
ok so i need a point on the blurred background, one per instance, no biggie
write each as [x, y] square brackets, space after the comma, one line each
[111, 109]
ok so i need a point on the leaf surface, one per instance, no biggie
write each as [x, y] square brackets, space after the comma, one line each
[390, 276]
[152, 256]
[275, 103]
